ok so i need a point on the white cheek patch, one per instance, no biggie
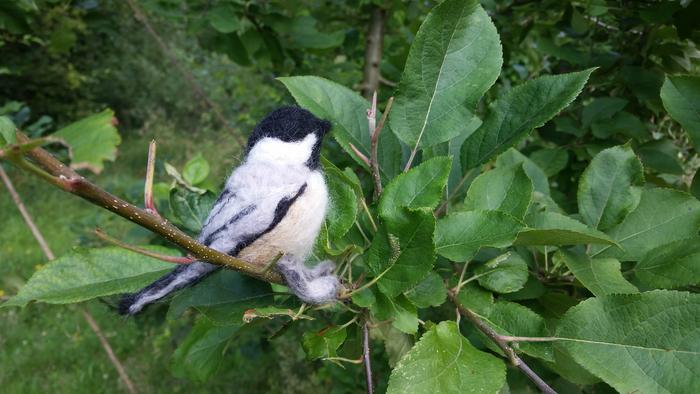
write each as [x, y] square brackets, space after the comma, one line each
[273, 150]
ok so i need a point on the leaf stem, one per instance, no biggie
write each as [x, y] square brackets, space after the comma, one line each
[374, 143]
[162, 257]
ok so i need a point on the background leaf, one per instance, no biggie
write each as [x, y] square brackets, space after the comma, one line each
[443, 361]
[662, 216]
[671, 265]
[460, 235]
[84, 274]
[201, 354]
[505, 189]
[626, 341]
[503, 274]
[454, 59]
[551, 228]
[93, 140]
[607, 189]
[518, 112]
[421, 187]
[600, 276]
[681, 98]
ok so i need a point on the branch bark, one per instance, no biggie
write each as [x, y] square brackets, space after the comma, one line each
[49, 255]
[502, 344]
[373, 52]
[70, 181]
[366, 358]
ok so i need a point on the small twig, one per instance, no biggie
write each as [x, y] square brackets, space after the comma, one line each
[360, 154]
[369, 214]
[25, 214]
[148, 186]
[168, 259]
[108, 349]
[343, 359]
[366, 358]
[373, 51]
[443, 207]
[50, 256]
[374, 161]
[502, 344]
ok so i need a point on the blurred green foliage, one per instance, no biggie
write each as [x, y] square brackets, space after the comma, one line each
[63, 60]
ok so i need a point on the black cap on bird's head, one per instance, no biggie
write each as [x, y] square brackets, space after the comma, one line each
[291, 124]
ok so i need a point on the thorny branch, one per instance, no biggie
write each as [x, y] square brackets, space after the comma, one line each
[502, 343]
[49, 255]
[61, 176]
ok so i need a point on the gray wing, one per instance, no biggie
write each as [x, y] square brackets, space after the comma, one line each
[236, 220]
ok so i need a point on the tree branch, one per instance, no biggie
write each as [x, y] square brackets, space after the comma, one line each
[373, 52]
[49, 255]
[502, 344]
[366, 358]
[65, 178]
[374, 144]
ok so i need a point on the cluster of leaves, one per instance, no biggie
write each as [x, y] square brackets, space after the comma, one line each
[583, 232]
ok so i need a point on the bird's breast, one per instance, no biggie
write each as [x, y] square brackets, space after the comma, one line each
[296, 233]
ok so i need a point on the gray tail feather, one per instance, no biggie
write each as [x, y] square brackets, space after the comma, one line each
[180, 277]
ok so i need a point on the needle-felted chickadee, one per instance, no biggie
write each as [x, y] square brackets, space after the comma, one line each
[273, 203]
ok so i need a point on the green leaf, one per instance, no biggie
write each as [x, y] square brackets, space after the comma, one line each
[191, 209]
[421, 187]
[512, 319]
[551, 228]
[93, 140]
[460, 235]
[606, 190]
[196, 170]
[83, 274]
[512, 157]
[661, 155]
[645, 343]
[476, 298]
[519, 111]
[200, 355]
[695, 185]
[600, 276]
[304, 34]
[601, 108]
[343, 203]
[443, 361]
[681, 98]
[455, 58]
[504, 274]
[551, 161]
[223, 18]
[7, 131]
[404, 253]
[223, 297]
[671, 265]
[399, 310]
[324, 343]
[428, 292]
[622, 123]
[662, 216]
[505, 189]
[347, 110]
